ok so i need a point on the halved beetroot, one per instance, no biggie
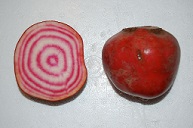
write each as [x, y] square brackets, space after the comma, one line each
[49, 61]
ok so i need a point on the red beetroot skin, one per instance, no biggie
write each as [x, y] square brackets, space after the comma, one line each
[49, 61]
[142, 61]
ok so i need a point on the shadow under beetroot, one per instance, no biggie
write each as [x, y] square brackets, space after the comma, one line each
[53, 103]
[140, 100]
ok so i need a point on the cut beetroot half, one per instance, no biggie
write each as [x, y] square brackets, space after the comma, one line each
[49, 61]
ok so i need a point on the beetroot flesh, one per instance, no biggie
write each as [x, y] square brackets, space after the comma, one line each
[49, 61]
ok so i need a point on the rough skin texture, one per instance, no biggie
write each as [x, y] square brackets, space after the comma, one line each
[142, 61]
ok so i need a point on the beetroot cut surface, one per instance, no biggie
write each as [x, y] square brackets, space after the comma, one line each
[49, 61]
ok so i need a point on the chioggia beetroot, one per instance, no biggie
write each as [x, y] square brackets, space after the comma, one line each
[142, 61]
[49, 61]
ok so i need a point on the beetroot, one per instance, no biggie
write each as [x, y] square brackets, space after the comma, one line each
[142, 61]
[49, 61]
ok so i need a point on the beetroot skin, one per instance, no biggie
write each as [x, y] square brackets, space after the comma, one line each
[142, 61]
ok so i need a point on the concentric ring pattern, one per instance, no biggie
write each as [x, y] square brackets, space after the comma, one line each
[49, 61]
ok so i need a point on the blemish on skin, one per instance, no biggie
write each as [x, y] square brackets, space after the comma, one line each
[156, 31]
[129, 81]
[139, 55]
[129, 29]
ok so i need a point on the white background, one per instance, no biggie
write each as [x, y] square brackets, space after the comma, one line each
[98, 105]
